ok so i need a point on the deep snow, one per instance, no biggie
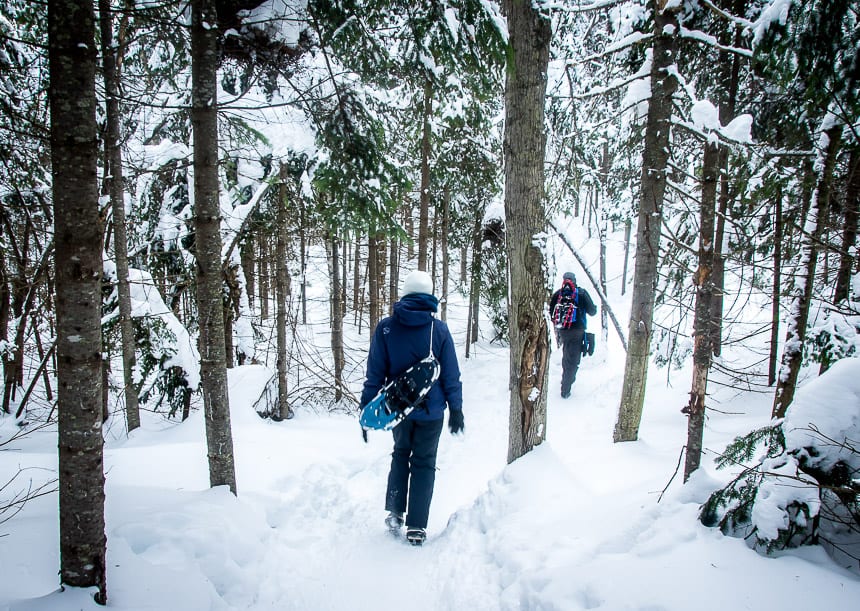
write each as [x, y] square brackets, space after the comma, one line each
[576, 524]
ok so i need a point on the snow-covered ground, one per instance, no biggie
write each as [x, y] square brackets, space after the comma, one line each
[576, 524]
[579, 523]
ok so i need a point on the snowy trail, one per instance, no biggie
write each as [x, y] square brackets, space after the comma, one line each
[339, 505]
[573, 525]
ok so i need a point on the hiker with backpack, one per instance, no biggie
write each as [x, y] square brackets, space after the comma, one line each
[398, 343]
[568, 308]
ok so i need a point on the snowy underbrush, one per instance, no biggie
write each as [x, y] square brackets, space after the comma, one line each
[803, 486]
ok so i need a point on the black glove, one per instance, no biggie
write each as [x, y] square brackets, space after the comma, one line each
[455, 421]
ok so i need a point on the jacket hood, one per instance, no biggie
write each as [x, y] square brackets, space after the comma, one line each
[415, 310]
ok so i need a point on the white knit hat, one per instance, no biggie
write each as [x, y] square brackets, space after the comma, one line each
[417, 282]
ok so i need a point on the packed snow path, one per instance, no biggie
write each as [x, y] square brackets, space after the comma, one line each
[573, 525]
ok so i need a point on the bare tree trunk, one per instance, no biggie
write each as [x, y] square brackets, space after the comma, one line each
[78, 260]
[409, 226]
[602, 230]
[777, 292]
[227, 313]
[524, 145]
[336, 318]
[207, 225]
[264, 275]
[394, 273]
[113, 155]
[475, 287]
[703, 331]
[5, 311]
[283, 411]
[652, 188]
[849, 232]
[729, 78]
[792, 355]
[303, 257]
[446, 205]
[372, 280]
[356, 278]
[381, 261]
[246, 257]
[627, 226]
[424, 196]
[344, 267]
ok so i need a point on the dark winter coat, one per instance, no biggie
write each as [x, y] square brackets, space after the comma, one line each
[584, 305]
[403, 339]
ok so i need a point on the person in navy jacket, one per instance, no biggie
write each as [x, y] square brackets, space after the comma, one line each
[399, 341]
[570, 334]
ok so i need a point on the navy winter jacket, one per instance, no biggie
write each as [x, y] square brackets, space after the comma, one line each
[403, 339]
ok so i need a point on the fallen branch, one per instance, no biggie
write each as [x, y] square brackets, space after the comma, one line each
[603, 300]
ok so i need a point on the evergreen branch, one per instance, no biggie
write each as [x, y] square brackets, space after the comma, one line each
[711, 41]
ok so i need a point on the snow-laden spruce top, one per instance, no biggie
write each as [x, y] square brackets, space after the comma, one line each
[825, 415]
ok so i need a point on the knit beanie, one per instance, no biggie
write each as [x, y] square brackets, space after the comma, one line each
[569, 276]
[417, 282]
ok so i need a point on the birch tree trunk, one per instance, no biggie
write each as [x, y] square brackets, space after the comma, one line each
[524, 148]
[78, 261]
[207, 231]
[652, 188]
[792, 354]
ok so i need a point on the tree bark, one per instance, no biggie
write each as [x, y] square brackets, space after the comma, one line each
[424, 196]
[849, 232]
[303, 258]
[246, 256]
[776, 295]
[78, 261]
[530, 34]
[627, 228]
[472, 330]
[336, 317]
[703, 329]
[373, 280]
[792, 354]
[652, 188]
[729, 79]
[264, 280]
[393, 273]
[443, 247]
[207, 226]
[116, 191]
[283, 410]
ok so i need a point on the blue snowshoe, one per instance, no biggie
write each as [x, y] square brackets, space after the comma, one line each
[398, 398]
